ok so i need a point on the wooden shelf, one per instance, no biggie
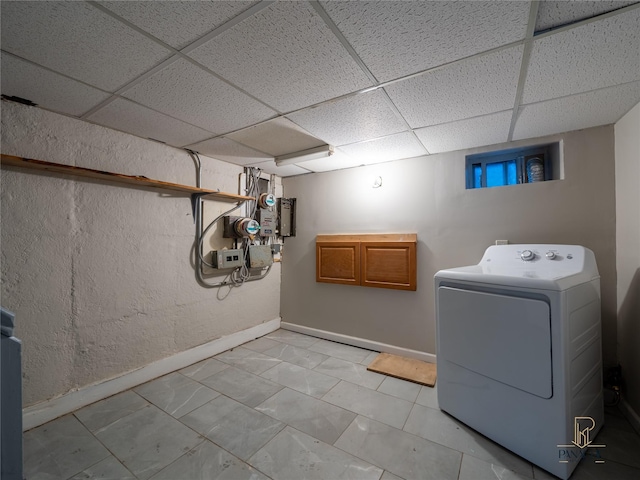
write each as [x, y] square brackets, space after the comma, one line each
[32, 164]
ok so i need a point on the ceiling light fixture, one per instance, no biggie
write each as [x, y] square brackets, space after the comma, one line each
[305, 155]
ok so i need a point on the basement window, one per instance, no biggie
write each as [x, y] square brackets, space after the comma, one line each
[514, 166]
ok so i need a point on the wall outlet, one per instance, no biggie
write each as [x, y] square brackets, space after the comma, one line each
[502, 242]
[230, 258]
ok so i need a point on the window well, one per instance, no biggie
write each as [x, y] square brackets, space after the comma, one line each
[514, 166]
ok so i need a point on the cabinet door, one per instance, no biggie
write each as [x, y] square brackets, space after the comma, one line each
[338, 262]
[389, 265]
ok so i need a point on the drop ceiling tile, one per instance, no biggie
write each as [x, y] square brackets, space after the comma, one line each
[276, 137]
[189, 93]
[337, 161]
[595, 55]
[229, 151]
[469, 88]
[137, 120]
[474, 132]
[78, 40]
[556, 13]
[385, 149]
[352, 119]
[46, 88]
[284, 55]
[283, 171]
[395, 39]
[178, 23]
[590, 109]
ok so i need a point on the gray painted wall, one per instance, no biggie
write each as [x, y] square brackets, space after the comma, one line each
[100, 275]
[427, 195]
[627, 133]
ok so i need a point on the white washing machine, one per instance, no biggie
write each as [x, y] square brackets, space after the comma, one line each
[519, 351]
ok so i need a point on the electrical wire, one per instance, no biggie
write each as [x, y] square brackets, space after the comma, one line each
[242, 274]
[239, 275]
[201, 237]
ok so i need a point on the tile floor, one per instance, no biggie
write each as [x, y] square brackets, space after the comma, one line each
[288, 406]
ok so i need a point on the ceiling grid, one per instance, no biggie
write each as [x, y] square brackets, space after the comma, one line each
[526, 54]
[244, 81]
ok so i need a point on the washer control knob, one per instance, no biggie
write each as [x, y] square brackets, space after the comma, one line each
[527, 255]
[550, 255]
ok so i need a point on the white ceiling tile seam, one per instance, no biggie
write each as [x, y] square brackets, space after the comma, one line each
[286, 55]
[265, 3]
[116, 97]
[196, 43]
[374, 139]
[586, 21]
[524, 66]
[181, 56]
[397, 80]
[463, 119]
[395, 108]
[478, 86]
[93, 122]
[342, 39]
[240, 143]
[226, 135]
[334, 29]
[132, 26]
[26, 60]
[358, 92]
[396, 39]
[596, 54]
[449, 64]
[162, 69]
[131, 84]
[415, 135]
[593, 90]
[226, 26]
[228, 82]
[182, 53]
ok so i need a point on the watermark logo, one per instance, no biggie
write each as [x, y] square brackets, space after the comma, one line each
[582, 428]
[581, 431]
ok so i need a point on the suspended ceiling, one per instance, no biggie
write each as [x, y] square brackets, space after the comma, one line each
[244, 81]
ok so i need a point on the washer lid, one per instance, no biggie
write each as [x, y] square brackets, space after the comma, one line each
[547, 267]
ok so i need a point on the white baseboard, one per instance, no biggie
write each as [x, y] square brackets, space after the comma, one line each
[360, 342]
[44, 412]
[630, 414]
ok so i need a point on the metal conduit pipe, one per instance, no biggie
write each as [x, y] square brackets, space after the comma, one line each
[197, 212]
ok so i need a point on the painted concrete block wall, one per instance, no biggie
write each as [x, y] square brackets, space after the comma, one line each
[627, 144]
[427, 196]
[100, 275]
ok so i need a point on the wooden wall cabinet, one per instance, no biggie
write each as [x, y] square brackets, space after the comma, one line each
[375, 260]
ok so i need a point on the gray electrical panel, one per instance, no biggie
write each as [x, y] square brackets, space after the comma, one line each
[260, 256]
[227, 258]
[286, 217]
[267, 219]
